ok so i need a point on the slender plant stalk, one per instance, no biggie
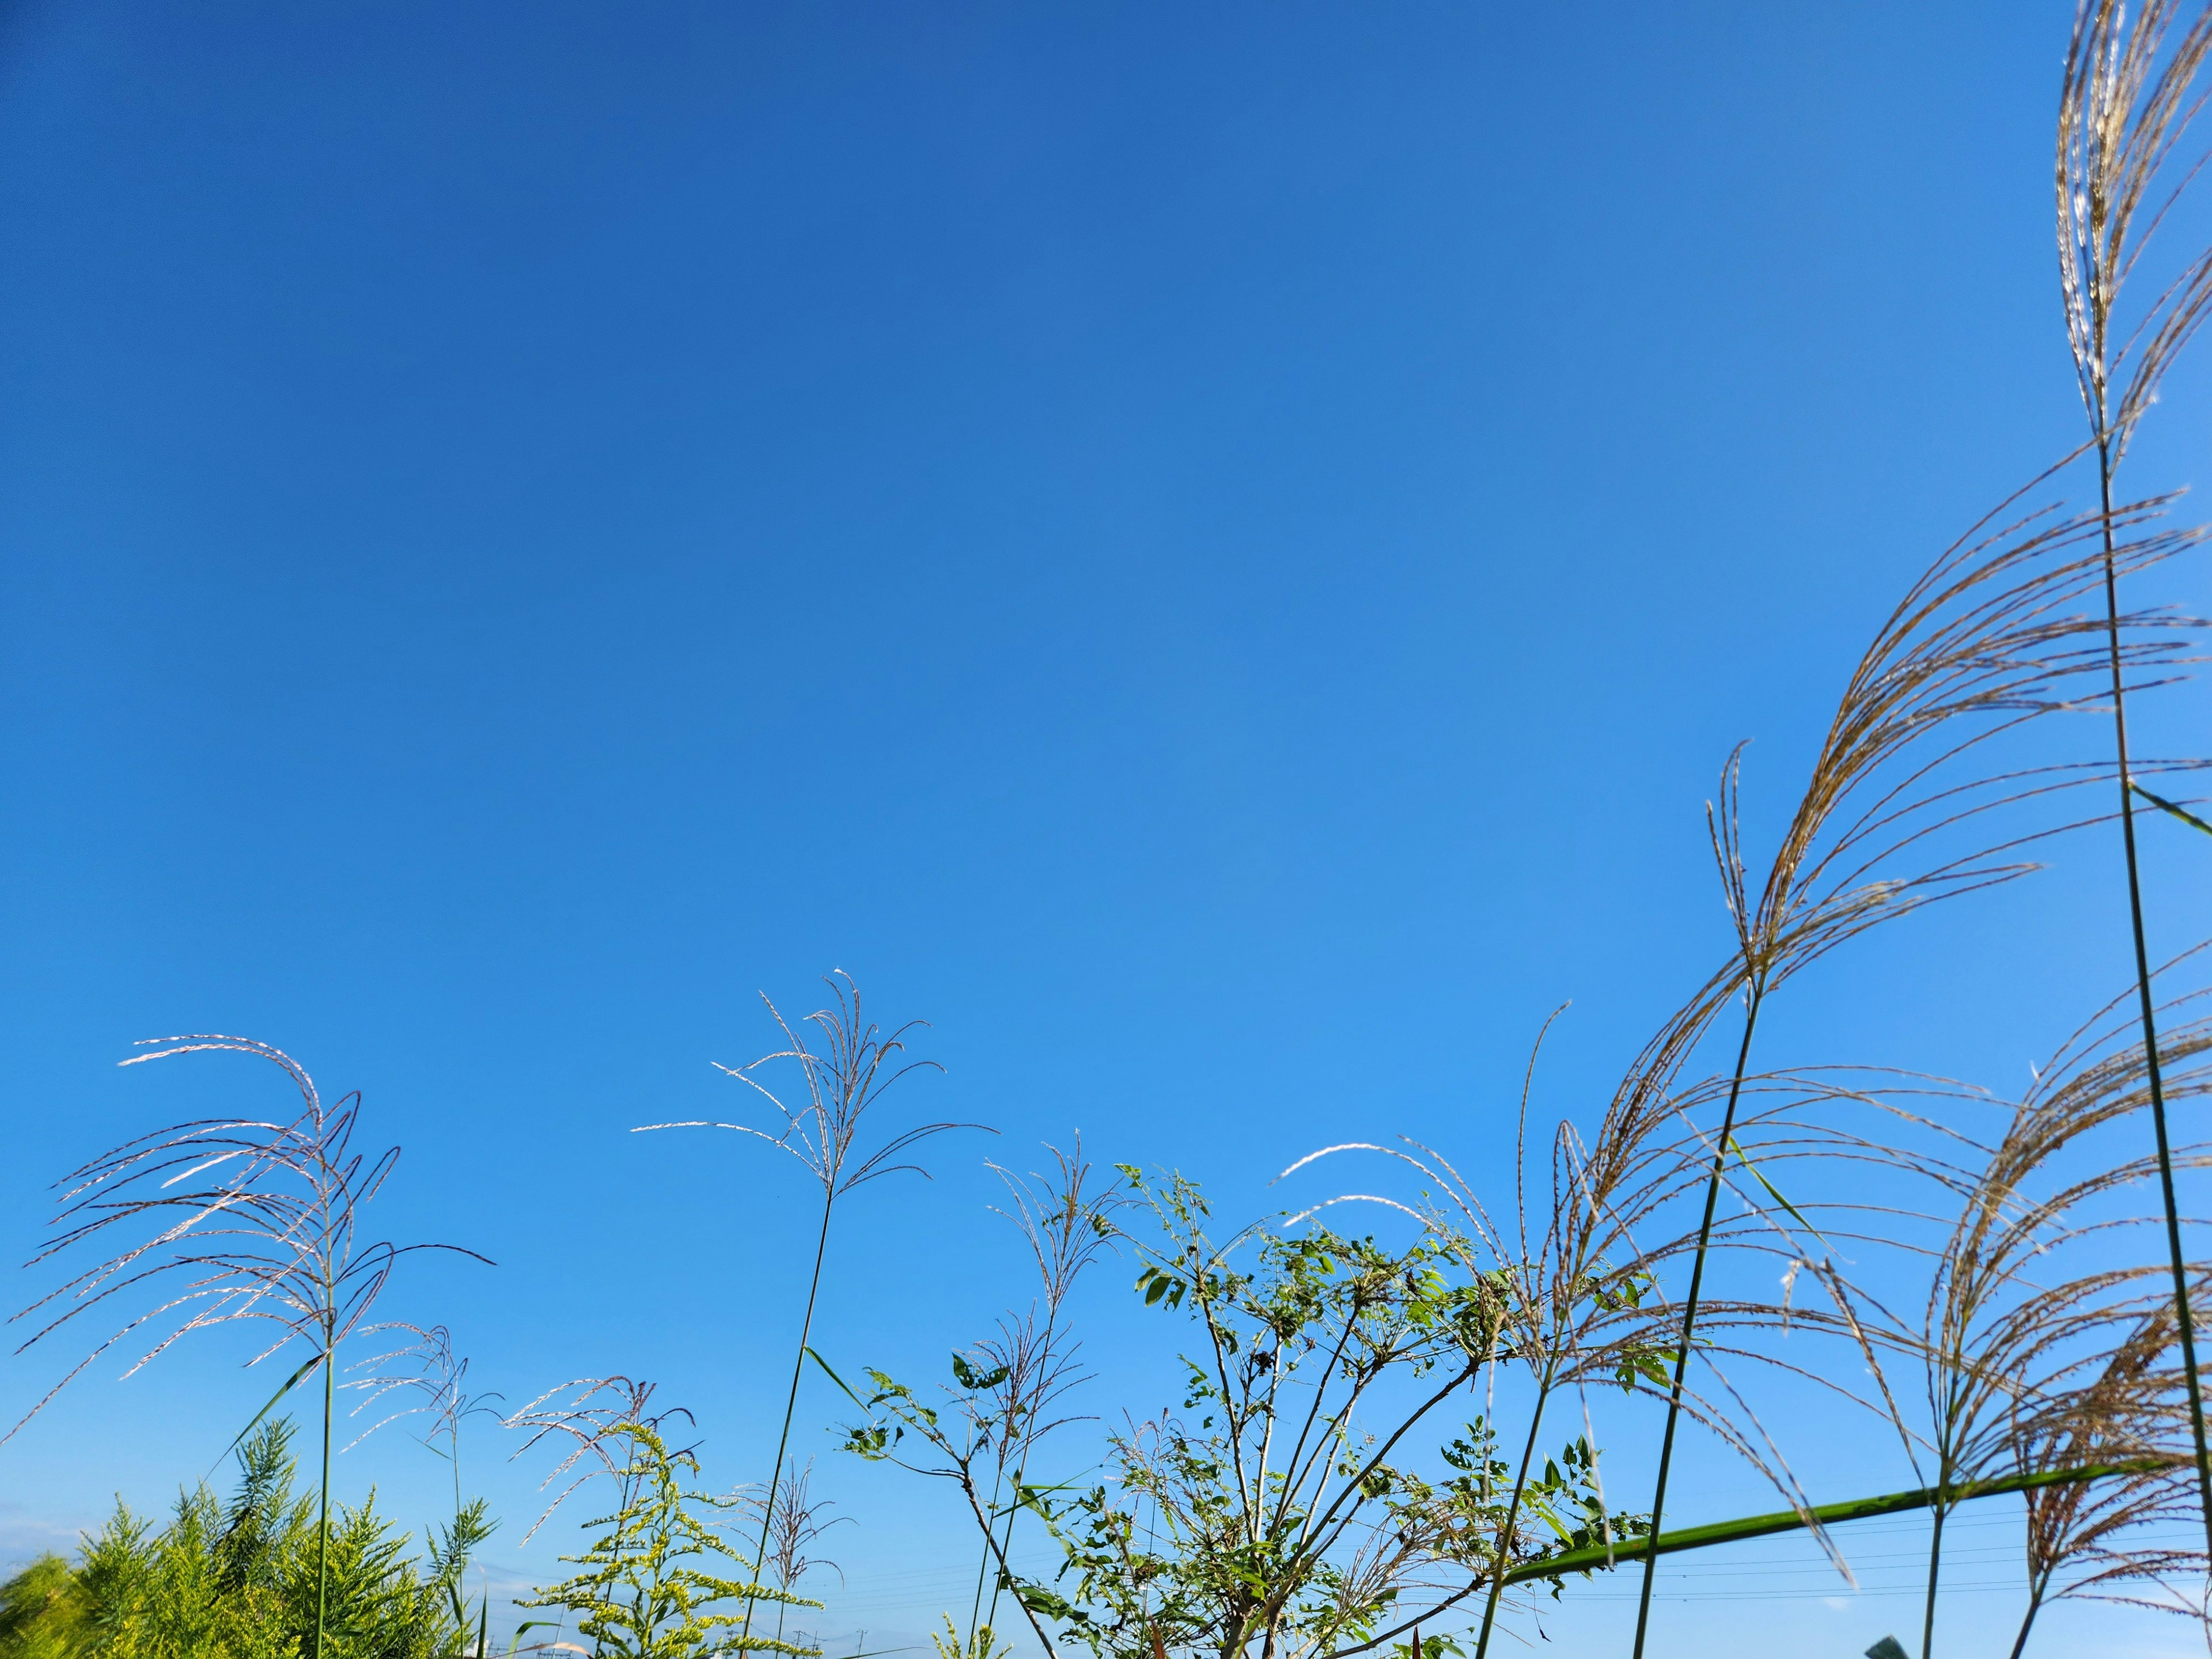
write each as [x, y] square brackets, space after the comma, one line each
[1501, 1574]
[2185, 1320]
[1934, 1568]
[2130, 94]
[790, 1405]
[1013, 1508]
[983, 1565]
[1758, 992]
[322, 1518]
[842, 1083]
[1014, 1502]
[2027, 1622]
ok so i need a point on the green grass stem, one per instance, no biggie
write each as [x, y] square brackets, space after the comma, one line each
[1757, 994]
[2106, 463]
[790, 1406]
[1499, 1583]
[1594, 1556]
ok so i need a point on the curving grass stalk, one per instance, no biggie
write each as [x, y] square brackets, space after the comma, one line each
[323, 1508]
[1500, 1573]
[2128, 1403]
[855, 1067]
[1755, 995]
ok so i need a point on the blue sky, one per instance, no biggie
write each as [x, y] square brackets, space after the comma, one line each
[1213, 553]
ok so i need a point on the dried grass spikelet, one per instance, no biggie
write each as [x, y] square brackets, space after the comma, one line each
[2032, 1288]
[587, 1416]
[2097, 1541]
[1572, 1273]
[795, 1523]
[2130, 94]
[270, 1233]
[229, 1221]
[428, 1379]
[1067, 1222]
[855, 1064]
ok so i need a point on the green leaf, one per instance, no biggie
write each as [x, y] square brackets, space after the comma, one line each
[2166, 806]
[1773, 1192]
[838, 1380]
[969, 1377]
[289, 1382]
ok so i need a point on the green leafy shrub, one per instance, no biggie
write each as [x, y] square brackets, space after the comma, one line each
[240, 1580]
[639, 1596]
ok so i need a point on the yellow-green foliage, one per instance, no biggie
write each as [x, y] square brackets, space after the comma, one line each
[237, 1581]
[43, 1612]
[984, 1644]
[640, 1595]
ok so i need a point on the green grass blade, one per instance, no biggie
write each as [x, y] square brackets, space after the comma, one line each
[838, 1380]
[1856, 1509]
[290, 1382]
[1773, 1192]
[2166, 806]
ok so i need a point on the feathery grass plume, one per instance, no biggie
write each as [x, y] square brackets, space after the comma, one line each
[1893, 814]
[2135, 1408]
[425, 1369]
[856, 1065]
[242, 1220]
[2025, 1298]
[1540, 1304]
[794, 1524]
[2132, 88]
[1067, 1223]
[589, 1414]
[1008, 1389]
[1910, 800]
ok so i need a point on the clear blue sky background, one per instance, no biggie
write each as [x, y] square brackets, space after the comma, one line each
[1214, 552]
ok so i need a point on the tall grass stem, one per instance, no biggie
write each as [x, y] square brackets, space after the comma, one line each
[1758, 993]
[323, 1516]
[2185, 1321]
[1935, 1570]
[790, 1405]
[1501, 1568]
